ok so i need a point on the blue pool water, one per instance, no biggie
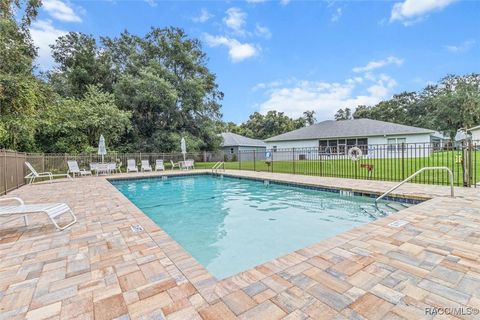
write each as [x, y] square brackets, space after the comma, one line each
[230, 225]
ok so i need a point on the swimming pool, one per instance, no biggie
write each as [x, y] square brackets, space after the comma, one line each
[230, 225]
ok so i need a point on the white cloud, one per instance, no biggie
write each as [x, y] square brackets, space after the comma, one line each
[284, 2]
[152, 3]
[412, 11]
[262, 31]
[235, 20]
[236, 50]
[336, 15]
[295, 96]
[463, 47]
[61, 11]
[204, 16]
[375, 64]
[44, 34]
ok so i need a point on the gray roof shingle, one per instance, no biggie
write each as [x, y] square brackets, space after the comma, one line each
[348, 128]
[236, 140]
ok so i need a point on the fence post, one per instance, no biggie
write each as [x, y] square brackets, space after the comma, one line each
[254, 161]
[403, 161]
[293, 155]
[466, 163]
[5, 171]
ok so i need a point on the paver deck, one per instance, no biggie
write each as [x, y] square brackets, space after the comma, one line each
[100, 269]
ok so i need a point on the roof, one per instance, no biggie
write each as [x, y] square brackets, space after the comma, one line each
[236, 140]
[348, 128]
[474, 128]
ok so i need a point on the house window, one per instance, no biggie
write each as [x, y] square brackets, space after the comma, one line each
[232, 151]
[341, 146]
[396, 144]
[274, 148]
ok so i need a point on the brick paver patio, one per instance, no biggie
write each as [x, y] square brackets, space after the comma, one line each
[100, 269]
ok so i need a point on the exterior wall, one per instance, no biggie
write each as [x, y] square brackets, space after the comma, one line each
[475, 134]
[244, 153]
[418, 145]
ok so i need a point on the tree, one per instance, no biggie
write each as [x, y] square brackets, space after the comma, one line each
[161, 78]
[309, 117]
[22, 95]
[74, 125]
[80, 63]
[273, 123]
[457, 103]
[343, 114]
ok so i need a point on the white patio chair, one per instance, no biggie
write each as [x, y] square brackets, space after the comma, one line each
[131, 165]
[112, 167]
[52, 210]
[175, 164]
[74, 169]
[146, 166]
[159, 165]
[35, 175]
[187, 164]
[94, 167]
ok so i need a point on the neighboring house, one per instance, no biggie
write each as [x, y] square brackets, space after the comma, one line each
[236, 147]
[377, 139]
[475, 132]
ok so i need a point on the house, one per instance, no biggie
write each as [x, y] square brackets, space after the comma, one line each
[235, 146]
[375, 138]
[475, 133]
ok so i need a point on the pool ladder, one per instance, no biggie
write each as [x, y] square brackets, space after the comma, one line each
[450, 178]
[218, 165]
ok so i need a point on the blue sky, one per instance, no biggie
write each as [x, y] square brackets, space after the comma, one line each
[294, 56]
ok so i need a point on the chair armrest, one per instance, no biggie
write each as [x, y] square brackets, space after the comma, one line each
[20, 201]
[47, 173]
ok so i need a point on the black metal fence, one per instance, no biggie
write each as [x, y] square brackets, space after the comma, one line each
[389, 162]
[12, 170]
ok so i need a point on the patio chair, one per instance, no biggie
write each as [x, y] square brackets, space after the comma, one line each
[187, 164]
[146, 166]
[94, 167]
[175, 164]
[131, 165]
[75, 170]
[159, 165]
[112, 167]
[35, 175]
[52, 210]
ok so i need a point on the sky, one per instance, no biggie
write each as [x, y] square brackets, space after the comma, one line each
[293, 56]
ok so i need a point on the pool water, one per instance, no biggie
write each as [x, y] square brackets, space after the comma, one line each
[230, 225]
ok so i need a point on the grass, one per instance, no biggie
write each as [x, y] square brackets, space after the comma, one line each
[383, 169]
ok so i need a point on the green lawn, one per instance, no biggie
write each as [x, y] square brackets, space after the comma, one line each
[383, 169]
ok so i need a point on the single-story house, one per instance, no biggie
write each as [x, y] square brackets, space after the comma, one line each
[235, 146]
[377, 139]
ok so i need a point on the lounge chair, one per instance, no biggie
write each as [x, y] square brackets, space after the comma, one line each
[131, 166]
[35, 175]
[74, 169]
[175, 164]
[52, 210]
[187, 164]
[159, 165]
[145, 166]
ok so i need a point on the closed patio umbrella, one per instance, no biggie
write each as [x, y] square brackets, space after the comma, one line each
[102, 148]
[183, 146]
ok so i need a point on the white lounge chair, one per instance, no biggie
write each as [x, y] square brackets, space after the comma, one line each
[35, 175]
[159, 165]
[145, 166]
[175, 164]
[131, 166]
[187, 164]
[52, 210]
[74, 169]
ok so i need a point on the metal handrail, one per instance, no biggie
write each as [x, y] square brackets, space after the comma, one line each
[450, 176]
[217, 166]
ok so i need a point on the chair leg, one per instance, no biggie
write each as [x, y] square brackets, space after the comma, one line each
[66, 226]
